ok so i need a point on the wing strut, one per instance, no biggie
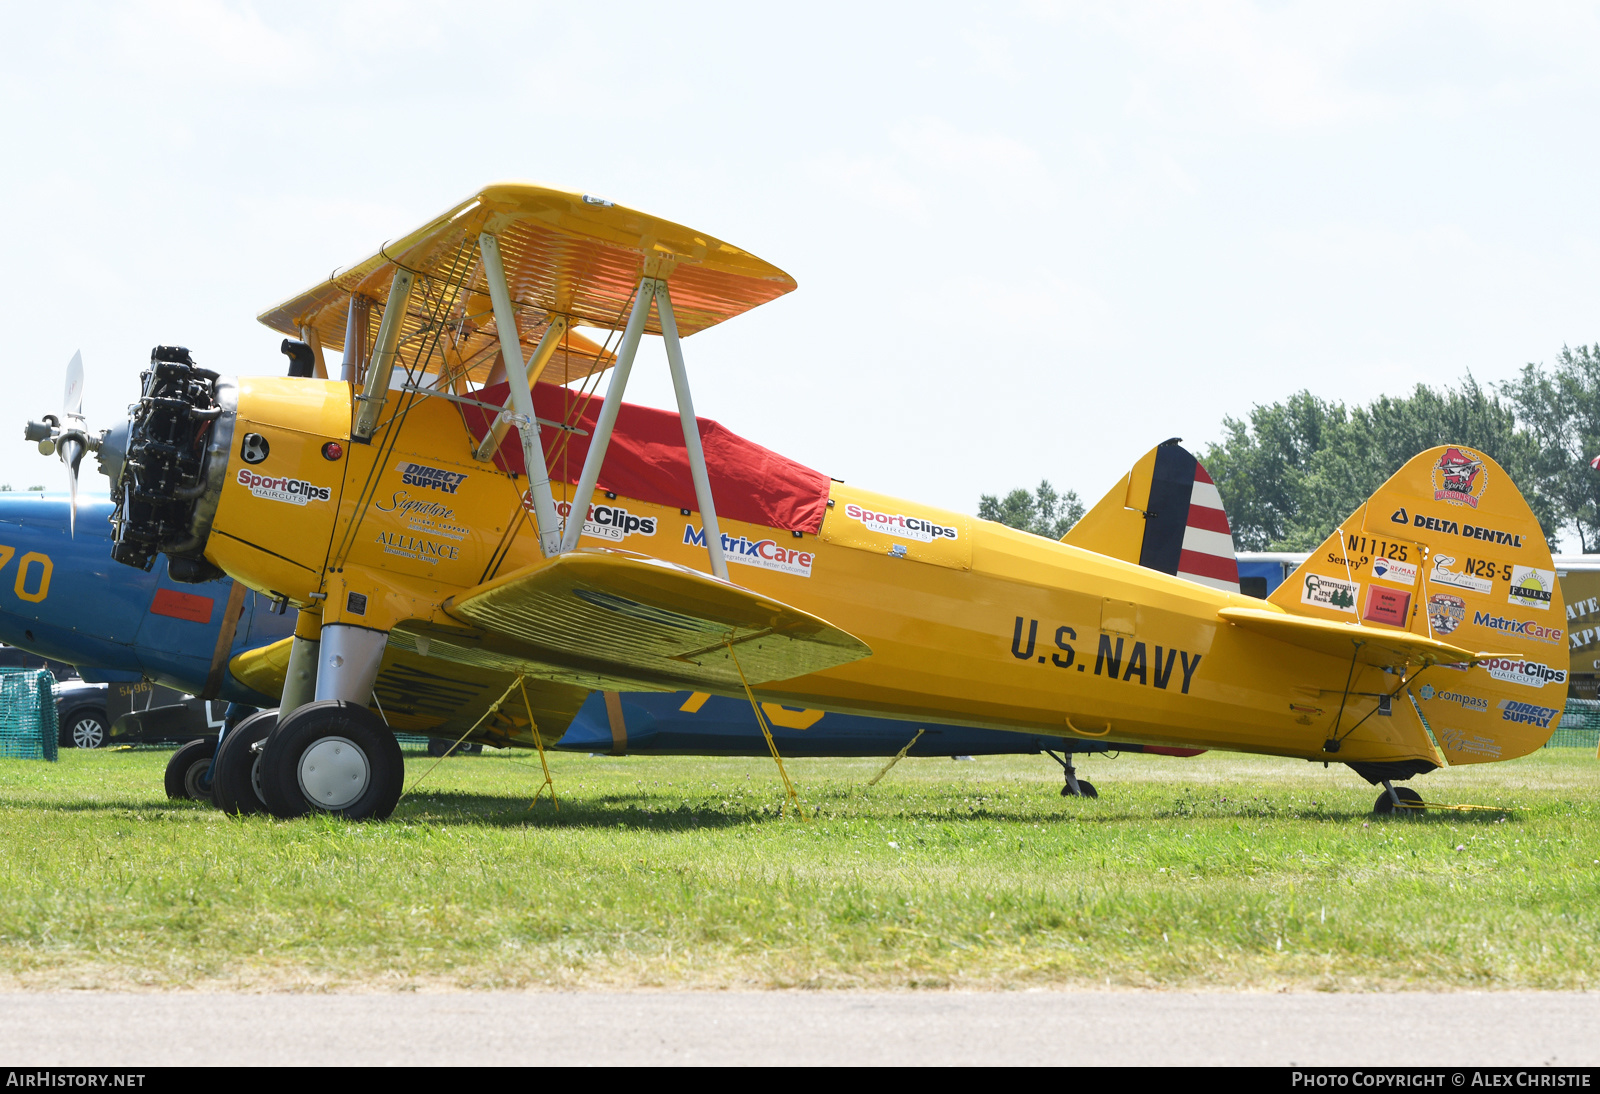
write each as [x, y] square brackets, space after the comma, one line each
[651, 290]
[521, 394]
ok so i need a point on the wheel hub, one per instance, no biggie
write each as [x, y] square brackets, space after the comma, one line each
[334, 773]
[87, 734]
[195, 783]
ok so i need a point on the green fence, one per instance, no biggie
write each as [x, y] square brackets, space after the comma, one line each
[1580, 726]
[28, 727]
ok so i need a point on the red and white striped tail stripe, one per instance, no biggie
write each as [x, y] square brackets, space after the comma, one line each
[1208, 541]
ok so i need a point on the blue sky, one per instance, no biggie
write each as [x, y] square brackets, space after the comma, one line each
[1031, 240]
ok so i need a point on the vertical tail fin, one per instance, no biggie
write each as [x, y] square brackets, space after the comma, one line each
[1167, 515]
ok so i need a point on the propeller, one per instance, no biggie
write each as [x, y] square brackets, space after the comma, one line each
[67, 437]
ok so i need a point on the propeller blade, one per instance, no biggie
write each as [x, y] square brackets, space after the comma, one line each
[71, 450]
[72, 398]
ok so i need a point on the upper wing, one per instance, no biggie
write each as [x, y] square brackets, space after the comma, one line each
[565, 254]
[1379, 646]
[621, 621]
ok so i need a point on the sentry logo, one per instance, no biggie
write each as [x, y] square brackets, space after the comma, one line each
[434, 478]
[898, 524]
[293, 491]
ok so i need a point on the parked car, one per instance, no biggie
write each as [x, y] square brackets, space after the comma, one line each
[81, 710]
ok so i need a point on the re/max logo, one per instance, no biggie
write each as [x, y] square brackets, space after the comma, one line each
[1115, 658]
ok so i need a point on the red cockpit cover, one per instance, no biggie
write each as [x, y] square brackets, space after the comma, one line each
[647, 460]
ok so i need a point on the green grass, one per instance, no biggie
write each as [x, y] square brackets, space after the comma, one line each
[1217, 872]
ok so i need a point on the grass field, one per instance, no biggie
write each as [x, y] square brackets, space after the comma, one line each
[1216, 872]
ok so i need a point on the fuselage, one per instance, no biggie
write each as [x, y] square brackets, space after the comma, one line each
[969, 622]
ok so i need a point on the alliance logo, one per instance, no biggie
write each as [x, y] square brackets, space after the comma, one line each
[1459, 478]
[434, 478]
[1446, 612]
[293, 491]
[898, 524]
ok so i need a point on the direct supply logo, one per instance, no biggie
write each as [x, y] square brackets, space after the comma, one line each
[1515, 670]
[292, 491]
[1526, 713]
[899, 524]
[764, 554]
[434, 478]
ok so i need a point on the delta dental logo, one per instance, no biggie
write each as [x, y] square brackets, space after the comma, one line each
[611, 522]
[1526, 713]
[1459, 478]
[293, 491]
[434, 478]
[1522, 628]
[1466, 702]
[764, 554]
[1515, 670]
[898, 524]
[1531, 588]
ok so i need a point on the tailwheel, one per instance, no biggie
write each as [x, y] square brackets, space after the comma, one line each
[332, 756]
[236, 782]
[1410, 802]
[1085, 790]
[189, 771]
[1074, 787]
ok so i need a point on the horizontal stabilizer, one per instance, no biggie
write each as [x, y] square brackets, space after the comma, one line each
[1390, 649]
[623, 621]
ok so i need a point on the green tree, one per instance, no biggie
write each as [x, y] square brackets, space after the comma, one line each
[1562, 408]
[1043, 512]
[1298, 468]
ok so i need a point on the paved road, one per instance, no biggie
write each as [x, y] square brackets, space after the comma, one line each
[829, 1027]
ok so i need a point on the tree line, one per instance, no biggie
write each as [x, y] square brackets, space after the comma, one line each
[1290, 471]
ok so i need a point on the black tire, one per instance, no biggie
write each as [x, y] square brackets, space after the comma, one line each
[86, 728]
[1085, 790]
[1385, 804]
[235, 785]
[187, 770]
[333, 756]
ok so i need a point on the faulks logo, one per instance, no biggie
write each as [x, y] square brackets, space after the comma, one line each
[293, 491]
[434, 478]
[1532, 588]
[898, 524]
[764, 554]
[1526, 713]
[1459, 478]
[611, 522]
[1523, 628]
[1514, 670]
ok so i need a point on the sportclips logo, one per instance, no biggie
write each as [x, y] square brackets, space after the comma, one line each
[764, 554]
[898, 524]
[1528, 673]
[293, 491]
[611, 522]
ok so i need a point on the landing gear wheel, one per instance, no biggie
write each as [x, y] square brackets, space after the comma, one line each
[1385, 804]
[187, 771]
[332, 756]
[1085, 790]
[236, 782]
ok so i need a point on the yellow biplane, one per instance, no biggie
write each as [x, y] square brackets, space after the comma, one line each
[456, 505]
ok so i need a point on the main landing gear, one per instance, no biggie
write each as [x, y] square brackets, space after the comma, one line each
[236, 782]
[331, 756]
[189, 771]
[1075, 787]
